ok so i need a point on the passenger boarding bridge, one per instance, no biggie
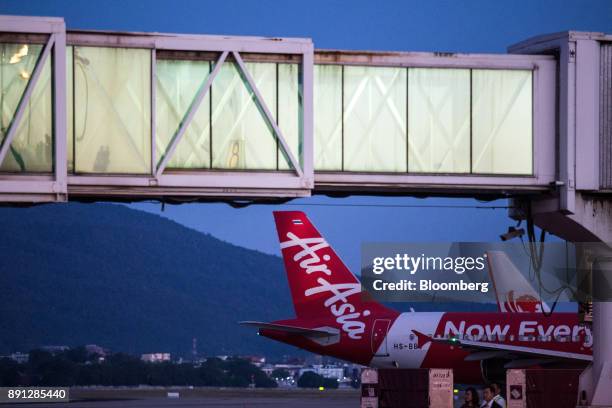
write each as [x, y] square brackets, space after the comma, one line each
[90, 115]
[132, 116]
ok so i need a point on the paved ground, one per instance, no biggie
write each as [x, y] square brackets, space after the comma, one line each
[205, 397]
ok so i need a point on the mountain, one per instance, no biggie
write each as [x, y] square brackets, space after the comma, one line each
[73, 274]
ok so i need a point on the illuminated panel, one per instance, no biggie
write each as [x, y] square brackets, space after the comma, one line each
[289, 108]
[70, 109]
[177, 84]
[31, 150]
[374, 119]
[453, 127]
[502, 122]
[242, 139]
[439, 120]
[112, 100]
[327, 117]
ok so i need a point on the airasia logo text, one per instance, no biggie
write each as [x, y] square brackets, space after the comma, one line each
[346, 314]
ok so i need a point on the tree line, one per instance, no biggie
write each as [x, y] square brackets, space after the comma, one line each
[78, 367]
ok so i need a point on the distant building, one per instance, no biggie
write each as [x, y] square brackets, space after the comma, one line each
[293, 360]
[293, 369]
[18, 357]
[155, 357]
[327, 371]
[55, 349]
[267, 369]
[95, 349]
[258, 361]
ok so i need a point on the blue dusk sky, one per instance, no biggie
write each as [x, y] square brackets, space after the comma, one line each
[441, 25]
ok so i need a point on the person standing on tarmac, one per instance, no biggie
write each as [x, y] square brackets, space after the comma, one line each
[497, 397]
[488, 394]
[471, 398]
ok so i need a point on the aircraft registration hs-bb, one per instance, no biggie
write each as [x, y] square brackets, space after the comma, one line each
[334, 317]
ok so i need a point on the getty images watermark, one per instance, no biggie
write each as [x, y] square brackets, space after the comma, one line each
[481, 272]
[412, 264]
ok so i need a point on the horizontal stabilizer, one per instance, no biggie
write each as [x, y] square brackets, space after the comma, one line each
[318, 332]
[485, 355]
[519, 351]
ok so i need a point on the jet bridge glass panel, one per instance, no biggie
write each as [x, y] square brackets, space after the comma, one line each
[423, 120]
[177, 82]
[374, 114]
[289, 115]
[242, 139]
[328, 117]
[439, 120]
[229, 130]
[502, 121]
[70, 108]
[112, 110]
[31, 150]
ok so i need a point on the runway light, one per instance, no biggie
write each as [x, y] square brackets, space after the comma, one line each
[321, 388]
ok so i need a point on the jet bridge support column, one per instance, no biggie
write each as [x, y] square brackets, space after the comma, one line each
[590, 222]
[596, 381]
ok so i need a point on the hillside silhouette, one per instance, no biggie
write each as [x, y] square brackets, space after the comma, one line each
[131, 281]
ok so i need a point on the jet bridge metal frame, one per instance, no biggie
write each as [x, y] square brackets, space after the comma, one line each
[300, 179]
[161, 182]
[50, 187]
[232, 184]
[543, 128]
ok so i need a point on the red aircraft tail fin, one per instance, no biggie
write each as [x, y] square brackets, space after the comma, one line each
[321, 284]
